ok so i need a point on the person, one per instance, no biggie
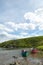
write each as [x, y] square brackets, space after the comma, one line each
[34, 52]
[24, 55]
[35, 60]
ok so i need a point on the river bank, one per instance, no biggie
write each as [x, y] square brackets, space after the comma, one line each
[30, 61]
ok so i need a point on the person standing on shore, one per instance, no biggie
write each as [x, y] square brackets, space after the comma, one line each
[24, 55]
[34, 52]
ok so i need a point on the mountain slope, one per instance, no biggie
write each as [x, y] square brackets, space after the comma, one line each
[26, 42]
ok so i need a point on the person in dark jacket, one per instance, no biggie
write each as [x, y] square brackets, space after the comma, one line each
[24, 55]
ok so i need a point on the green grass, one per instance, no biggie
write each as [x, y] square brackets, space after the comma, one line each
[40, 48]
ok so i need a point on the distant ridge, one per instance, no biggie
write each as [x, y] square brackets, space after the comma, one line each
[25, 42]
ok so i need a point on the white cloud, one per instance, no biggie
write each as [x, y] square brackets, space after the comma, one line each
[12, 25]
[7, 36]
[41, 27]
[23, 26]
[26, 26]
[39, 10]
[36, 20]
[31, 26]
[1, 26]
[5, 33]
[36, 16]
[5, 28]
[8, 29]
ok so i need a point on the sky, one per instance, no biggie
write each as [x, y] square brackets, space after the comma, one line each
[20, 19]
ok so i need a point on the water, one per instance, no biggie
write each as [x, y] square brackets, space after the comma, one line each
[6, 56]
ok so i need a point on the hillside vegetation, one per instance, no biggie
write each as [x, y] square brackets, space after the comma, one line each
[24, 43]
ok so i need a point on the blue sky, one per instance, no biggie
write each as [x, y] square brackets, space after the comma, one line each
[20, 19]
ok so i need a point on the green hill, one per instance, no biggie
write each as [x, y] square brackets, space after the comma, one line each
[22, 43]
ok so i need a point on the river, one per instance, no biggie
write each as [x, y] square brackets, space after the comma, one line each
[6, 55]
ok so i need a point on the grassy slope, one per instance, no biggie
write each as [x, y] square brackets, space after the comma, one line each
[26, 42]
